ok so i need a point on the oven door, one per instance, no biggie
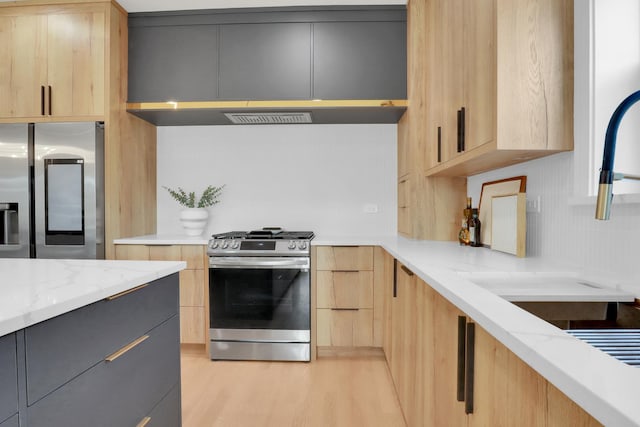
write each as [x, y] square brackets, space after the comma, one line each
[259, 299]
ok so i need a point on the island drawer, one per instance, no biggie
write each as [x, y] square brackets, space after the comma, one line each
[345, 289]
[8, 378]
[11, 422]
[122, 391]
[63, 347]
[344, 258]
[168, 413]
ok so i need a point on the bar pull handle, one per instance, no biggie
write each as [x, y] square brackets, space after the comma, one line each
[460, 385]
[42, 100]
[50, 112]
[123, 293]
[463, 129]
[406, 270]
[345, 309]
[345, 271]
[459, 129]
[144, 422]
[470, 361]
[439, 144]
[126, 348]
[395, 278]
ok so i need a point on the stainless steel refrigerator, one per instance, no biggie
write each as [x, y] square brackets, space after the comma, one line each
[52, 190]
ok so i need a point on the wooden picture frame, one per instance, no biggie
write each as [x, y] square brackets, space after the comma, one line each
[509, 224]
[502, 187]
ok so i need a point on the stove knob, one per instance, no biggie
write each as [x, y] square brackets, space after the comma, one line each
[292, 244]
[213, 244]
[235, 244]
[225, 244]
[302, 245]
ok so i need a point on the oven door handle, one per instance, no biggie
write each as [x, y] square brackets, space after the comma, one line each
[258, 262]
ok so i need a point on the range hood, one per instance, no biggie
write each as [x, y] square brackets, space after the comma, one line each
[174, 113]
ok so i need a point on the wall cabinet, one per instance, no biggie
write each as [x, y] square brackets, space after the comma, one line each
[348, 302]
[55, 61]
[430, 363]
[503, 75]
[194, 289]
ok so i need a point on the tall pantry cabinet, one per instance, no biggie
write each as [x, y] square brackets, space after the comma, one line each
[67, 61]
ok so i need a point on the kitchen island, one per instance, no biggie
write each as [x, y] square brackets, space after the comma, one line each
[98, 338]
[600, 384]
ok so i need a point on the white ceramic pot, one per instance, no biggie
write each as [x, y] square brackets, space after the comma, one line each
[194, 220]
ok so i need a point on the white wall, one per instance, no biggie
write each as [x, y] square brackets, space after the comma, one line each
[304, 177]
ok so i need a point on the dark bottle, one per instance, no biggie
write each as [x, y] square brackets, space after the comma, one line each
[474, 229]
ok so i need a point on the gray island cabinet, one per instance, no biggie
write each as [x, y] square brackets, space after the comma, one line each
[115, 362]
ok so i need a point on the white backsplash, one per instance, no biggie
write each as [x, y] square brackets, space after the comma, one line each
[305, 177]
[565, 234]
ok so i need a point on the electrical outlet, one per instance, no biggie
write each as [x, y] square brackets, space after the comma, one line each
[533, 204]
[370, 208]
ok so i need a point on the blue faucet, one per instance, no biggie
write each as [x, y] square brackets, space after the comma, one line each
[607, 176]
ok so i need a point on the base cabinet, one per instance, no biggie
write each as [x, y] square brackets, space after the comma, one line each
[430, 363]
[8, 380]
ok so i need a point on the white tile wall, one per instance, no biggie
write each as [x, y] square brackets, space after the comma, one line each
[569, 235]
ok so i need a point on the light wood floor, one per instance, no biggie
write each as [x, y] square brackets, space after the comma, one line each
[355, 391]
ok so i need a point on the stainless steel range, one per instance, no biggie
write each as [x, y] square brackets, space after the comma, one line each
[259, 291]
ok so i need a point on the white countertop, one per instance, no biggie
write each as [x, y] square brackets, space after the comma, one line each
[163, 239]
[602, 385]
[34, 290]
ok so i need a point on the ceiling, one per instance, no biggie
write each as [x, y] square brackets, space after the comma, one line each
[158, 5]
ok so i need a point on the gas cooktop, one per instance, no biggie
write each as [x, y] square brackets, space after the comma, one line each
[269, 241]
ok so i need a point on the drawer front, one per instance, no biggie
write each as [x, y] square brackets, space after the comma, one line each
[11, 422]
[167, 413]
[61, 348]
[194, 255]
[345, 289]
[192, 288]
[348, 258]
[192, 325]
[344, 328]
[117, 393]
[8, 377]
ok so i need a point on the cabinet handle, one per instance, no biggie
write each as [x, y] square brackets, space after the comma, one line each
[123, 293]
[462, 326]
[468, 389]
[144, 422]
[406, 270]
[42, 100]
[50, 112]
[395, 278]
[345, 271]
[463, 128]
[459, 129]
[345, 309]
[439, 144]
[126, 348]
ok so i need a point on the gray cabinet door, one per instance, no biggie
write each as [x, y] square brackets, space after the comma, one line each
[265, 61]
[359, 60]
[11, 422]
[168, 413]
[8, 377]
[173, 63]
[117, 393]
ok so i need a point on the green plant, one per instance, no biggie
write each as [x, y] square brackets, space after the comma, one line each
[209, 197]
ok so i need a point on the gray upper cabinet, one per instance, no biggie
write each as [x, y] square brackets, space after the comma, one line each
[265, 61]
[359, 60]
[173, 63]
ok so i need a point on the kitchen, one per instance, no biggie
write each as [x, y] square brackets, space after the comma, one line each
[367, 205]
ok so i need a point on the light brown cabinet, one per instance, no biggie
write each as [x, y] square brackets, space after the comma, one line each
[503, 75]
[54, 60]
[422, 347]
[194, 290]
[348, 302]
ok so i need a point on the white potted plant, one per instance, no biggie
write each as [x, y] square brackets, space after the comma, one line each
[194, 216]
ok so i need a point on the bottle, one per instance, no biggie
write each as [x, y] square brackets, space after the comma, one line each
[474, 229]
[463, 234]
[467, 211]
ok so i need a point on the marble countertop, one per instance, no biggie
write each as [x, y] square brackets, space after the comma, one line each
[163, 239]
[34, 290]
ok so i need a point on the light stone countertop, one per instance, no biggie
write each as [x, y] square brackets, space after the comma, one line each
[602, 385]
[163, 239]
[34, 290]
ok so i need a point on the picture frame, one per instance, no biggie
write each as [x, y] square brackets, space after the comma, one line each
[502, 187]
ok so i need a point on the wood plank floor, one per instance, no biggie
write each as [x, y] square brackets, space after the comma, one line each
[355, 391]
